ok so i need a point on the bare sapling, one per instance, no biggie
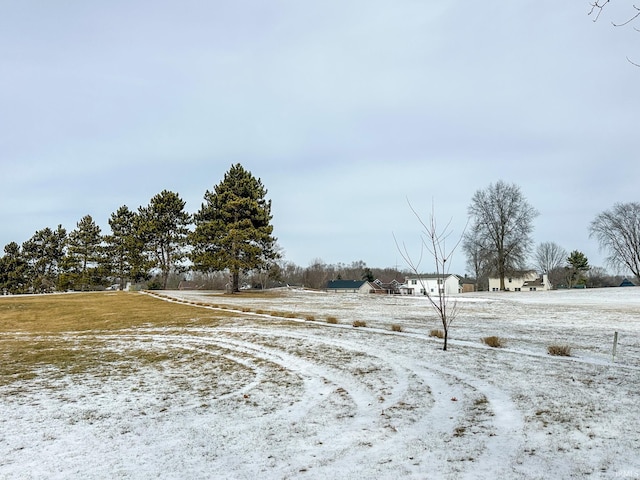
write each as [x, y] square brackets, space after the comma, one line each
[433, 241]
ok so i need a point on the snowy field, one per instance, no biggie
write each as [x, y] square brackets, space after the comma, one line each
[266, 397]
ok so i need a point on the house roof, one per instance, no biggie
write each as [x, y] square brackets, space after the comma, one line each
[345, 284]
[533, 283]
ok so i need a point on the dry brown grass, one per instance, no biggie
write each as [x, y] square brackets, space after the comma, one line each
[559, 350]
[82, 312]
[359, 323]
[71, 333]
[332, 320]
[436, 333]
[396, 328]
[493, 341]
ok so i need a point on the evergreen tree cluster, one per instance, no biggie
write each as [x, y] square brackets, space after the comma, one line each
[231, 232]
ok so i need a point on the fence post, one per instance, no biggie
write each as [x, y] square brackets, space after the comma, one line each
[615, 344]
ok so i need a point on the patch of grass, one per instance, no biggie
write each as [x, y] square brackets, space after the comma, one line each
[82, 312]
[359, 323]
[493, 341]
[332, 320]
[559, 350]
[51, 335]
[396, 328]
[310, 318]
[437, 333]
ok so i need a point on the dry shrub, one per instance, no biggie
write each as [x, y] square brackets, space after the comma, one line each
[332, 320]
[436, 333]
[559, 350]
[260, 311]
[396, 328]
[359, 323]
[493, 341]
[246, 309]
[310, 318]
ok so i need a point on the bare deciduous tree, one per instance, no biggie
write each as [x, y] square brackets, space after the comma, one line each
[434, 240]
[597, 8]
[618, 233]
[550, 258]
[478, 259]
[502, 222]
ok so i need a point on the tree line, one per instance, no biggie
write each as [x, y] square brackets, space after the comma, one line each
[498, 241]
[232, 231]
[231, 236]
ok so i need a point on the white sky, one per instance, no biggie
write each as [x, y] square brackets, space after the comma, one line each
[344, 109]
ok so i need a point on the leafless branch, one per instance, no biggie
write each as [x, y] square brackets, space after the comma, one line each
[597, 7]
[629, 20]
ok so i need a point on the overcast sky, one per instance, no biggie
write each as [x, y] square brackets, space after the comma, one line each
[345, 109]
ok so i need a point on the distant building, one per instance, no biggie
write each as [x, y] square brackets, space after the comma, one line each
[431, 285]
[523, 282]
[349, 286]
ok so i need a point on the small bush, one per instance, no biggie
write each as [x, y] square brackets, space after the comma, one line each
[436, 333]
[559, 350]
[310, 318]
[260, 311]
[332, 320]
[493, 341]
[396, 328]
[359, 323]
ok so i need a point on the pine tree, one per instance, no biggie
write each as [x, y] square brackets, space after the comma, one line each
[125, 247]
[84, 254]
[577, 266]
[164, 228]
[44, 253]
[13, 270]
[233, 230]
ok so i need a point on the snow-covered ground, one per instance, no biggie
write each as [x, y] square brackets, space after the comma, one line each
[263, 397]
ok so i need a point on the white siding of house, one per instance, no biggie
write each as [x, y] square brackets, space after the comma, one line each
[516, 284]
[418, 285]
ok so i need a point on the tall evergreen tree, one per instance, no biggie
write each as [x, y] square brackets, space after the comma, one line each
[125, 248]
[13, 270]
[84, 254]
[577, 266]
[164, 228]
[44, 253]
[233, 227]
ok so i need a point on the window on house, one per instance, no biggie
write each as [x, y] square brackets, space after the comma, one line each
[510, 280]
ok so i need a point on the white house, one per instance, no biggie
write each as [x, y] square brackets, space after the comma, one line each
[431, 285]
[526, 282]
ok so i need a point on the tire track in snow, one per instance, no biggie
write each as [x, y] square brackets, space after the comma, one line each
[502, 433]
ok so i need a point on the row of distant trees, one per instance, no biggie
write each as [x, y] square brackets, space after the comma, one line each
[231, 235]
[498, 241]
[231, 232]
